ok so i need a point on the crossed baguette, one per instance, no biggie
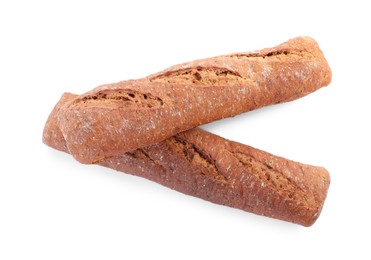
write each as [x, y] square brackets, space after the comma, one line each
[116, 118]
[196, 162]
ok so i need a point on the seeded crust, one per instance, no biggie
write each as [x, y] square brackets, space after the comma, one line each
[115, 118]
[207, 166]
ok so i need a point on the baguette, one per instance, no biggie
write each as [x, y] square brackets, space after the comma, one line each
[207, 166]
[115, 118]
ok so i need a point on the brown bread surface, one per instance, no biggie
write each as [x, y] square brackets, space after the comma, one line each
[115, 118]
[207, 166]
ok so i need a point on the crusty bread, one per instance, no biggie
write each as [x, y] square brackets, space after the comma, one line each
[207, 166]
[120, 117]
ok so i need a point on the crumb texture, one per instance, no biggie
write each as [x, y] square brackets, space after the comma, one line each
[211, 74]
[126, 98]
[274, 55]
[271, 177]
[200, 75]
[194, 155]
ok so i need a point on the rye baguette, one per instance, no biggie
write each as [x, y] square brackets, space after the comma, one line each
[115, 118]
[207, 166]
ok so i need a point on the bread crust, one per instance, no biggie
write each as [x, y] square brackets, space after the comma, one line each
[210, 167]
[115, 118]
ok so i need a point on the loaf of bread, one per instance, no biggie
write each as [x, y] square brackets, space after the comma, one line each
[207, 166]
[116, 118]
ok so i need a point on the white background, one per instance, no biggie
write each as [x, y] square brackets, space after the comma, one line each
[52, 207]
